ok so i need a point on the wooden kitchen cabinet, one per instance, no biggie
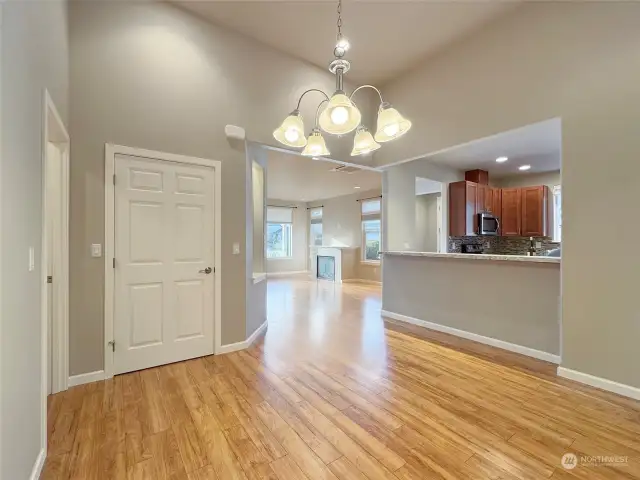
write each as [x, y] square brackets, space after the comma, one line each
[535, 211]
[526, 212]
[485, 199]
[496, 207]
[463, 206]
[511, 216]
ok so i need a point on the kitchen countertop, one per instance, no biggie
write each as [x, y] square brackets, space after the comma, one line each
[471, 256]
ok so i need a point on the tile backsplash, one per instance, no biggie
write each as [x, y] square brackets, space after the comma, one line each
[502, 245]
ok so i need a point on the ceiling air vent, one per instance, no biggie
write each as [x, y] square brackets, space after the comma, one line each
[344, 169]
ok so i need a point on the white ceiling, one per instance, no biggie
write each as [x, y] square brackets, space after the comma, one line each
[301, 179]
[387, 38]
[538, 145]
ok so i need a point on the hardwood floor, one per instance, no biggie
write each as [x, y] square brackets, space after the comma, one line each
[332, 392]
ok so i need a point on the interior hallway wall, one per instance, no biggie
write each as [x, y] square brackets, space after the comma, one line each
[578, 61]
[35, 56]
[427, 222]
[150, 75]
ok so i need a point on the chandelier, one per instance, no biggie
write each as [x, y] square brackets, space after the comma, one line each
[341, 115]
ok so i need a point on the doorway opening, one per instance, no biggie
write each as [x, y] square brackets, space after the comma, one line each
[55, 249]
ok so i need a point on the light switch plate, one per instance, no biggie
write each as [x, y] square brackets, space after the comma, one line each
[96, 250]
[236, 248]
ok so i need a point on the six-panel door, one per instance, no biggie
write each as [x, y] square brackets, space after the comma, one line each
[164, 242]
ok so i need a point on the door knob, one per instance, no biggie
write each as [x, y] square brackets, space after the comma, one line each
[206, 270]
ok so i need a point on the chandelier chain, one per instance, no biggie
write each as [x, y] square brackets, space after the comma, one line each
[339, 36]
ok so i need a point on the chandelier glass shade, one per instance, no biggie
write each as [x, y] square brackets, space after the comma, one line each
[341, 115]
[291, 132]
[316, 146]
[363, 142]
[390, 124]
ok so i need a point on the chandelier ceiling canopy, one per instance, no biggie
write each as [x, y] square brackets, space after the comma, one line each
[341, 115]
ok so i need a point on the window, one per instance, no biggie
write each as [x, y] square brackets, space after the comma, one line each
[371, 230]
[279, 236]
[557, 213]
[315, 226]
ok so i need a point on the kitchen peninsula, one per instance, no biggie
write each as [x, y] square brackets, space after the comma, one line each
[508, 301]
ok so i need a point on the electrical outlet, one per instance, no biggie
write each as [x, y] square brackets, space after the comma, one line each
[236, 248]
[538, 244]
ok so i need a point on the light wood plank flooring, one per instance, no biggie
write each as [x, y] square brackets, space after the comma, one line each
[334, 392]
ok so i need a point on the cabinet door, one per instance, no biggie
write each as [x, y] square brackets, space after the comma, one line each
[510, 218]
[471, 208]
[457, 209]
[534, 210]
[496, 208]
[488, 199]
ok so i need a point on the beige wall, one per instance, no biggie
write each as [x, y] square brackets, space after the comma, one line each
[551, 179]
[149, 75]
[300, 234]
[34, 57]
[525, 312]
[577, 61]
[342, 225]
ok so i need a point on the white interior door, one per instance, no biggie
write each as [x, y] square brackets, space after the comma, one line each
[164, 250]
[52, 239]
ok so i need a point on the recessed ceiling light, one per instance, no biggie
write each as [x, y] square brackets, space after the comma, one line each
[356, 187]
[524, 167]
[502, 159]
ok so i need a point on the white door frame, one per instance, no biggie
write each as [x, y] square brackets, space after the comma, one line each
[56, 357]
[109, 227]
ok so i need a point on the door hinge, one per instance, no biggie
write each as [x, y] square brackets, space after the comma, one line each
[114, 263]
[49, 279]
[114, 179]
[112, 343]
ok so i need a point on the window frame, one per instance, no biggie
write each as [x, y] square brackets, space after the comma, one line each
[375, 215]
[286, 228]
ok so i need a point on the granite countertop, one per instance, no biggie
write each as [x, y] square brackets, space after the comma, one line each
[471, 256]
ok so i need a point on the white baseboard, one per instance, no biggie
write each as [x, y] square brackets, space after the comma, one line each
[285, 274]
[86, 378]
[512, 347]
[39, 465]
[234, 347]
[598, 382]
[360, 280]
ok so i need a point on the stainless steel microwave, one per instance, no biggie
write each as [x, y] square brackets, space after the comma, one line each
[488, 224]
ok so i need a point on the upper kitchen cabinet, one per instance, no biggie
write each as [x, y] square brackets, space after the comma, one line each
[526, 212]
[496, 197]
[484, 200]
[463, 206]
[511, 216]
[536, 211]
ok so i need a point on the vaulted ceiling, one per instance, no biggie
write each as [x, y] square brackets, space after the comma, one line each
[387, 38]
